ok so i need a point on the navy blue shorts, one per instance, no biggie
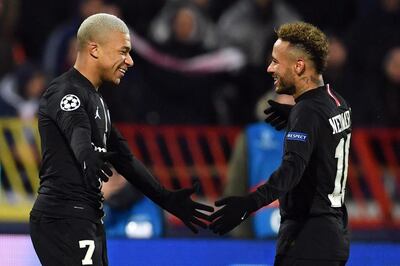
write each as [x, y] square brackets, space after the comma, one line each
[317, 238]
[67, 241]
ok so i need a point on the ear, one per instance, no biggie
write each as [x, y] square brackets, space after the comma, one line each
[300, 67]
[93, 49]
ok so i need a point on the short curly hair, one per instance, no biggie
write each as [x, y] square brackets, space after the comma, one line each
[308, 38]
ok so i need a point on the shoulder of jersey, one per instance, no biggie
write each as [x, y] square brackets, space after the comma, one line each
[70, 95]
[305, 105]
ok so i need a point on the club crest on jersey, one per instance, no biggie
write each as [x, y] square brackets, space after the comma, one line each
[70, 102]
[297, 136]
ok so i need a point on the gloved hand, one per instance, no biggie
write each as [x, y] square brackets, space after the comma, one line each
[278, 114]
[96, 168]
[235, 211]
[182, 206]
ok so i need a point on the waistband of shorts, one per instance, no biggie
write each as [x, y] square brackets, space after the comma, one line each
[53, 206]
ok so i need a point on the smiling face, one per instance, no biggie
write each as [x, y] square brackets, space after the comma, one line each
[282, 68]
[113, 56]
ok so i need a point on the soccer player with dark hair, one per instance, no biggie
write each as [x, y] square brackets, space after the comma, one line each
[310, 182]
[78, 143]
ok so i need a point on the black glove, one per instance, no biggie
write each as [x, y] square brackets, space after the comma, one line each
[235, 211]
[278, 114]
[182, 206]
[95, 167]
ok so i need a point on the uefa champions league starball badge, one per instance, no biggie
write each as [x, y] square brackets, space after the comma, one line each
[70, 102]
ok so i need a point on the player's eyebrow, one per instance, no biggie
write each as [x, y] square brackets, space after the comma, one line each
[272, 59]
[126, 48]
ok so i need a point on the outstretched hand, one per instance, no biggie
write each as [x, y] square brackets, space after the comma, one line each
[236, 209]
[278, 114]
[180, 204]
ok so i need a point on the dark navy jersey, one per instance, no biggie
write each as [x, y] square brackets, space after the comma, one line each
[311, 180]
[319, 131]
[70, 106]
[312, 177]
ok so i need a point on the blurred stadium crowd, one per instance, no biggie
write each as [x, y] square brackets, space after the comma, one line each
[203, 61]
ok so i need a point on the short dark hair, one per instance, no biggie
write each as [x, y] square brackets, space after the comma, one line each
[308, 38]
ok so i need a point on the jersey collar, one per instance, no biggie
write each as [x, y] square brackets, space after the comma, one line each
[310, 93]
[83, 81]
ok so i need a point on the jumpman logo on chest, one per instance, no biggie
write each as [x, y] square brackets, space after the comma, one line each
[97, 114]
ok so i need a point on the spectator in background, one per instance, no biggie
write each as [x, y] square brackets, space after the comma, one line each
[391, 88]
[20, 92]
[139, 14]
[386, 108]
[369, 40]
[37, 19]
[339, 75]
[249, 25]
[9, 14]
[185, 38]
[184, 22]
[337, 59]
[178, 72]
[168, 94]
[373, 35]
[256, 154]
[214, 8]
[334, 16]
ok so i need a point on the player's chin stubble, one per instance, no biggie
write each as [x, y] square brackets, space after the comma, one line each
[282, 89]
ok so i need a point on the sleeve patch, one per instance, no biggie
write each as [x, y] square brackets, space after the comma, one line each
[70, 102]
[297, 136]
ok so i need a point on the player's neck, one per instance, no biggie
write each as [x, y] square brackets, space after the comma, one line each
[86, 68]
[308, 82]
